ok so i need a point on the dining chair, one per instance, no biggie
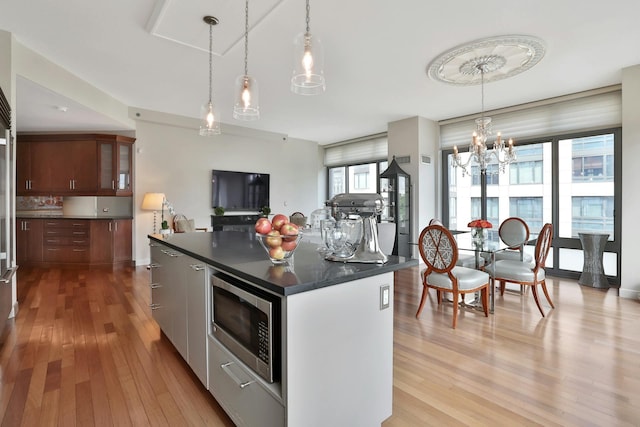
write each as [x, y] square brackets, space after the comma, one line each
[514, 232]
[464, 259]
[524, 273]
[439, 252]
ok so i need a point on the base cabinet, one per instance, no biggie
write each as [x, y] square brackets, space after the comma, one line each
[179, 304]
[29, 240]
[111, 241]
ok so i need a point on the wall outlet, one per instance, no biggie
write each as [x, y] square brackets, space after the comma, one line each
[384, 297]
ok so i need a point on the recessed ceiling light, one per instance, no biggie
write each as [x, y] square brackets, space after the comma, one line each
[62, 108]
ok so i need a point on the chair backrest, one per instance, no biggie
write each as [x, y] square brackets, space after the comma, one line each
[543, 245]
[438, 248]
[435, 221]
[514, 232]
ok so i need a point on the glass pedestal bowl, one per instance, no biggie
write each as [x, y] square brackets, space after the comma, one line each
[279, 248]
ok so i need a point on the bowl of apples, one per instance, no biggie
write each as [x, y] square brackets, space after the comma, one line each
[278, 237]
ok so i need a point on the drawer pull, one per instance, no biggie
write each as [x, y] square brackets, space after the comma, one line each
[154, 265]
[53, 240]
[155, 306]
[155, 285]
[241, 384]
[78, 241]
[79, 232]
[197, 267]
[79, 250]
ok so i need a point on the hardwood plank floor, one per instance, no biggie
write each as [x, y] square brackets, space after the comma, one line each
[84, 350]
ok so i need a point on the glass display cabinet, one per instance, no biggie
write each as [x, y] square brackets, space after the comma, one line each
[395, 188]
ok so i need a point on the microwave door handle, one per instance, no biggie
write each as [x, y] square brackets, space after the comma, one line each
[226, 368]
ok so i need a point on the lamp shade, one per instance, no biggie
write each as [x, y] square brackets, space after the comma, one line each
[153, 201]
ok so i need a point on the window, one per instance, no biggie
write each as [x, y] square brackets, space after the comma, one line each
[337, 181]
[525, 172]
[528, 167]
[592, 158]
[591, 214]
[529, 209]
[566, 180]
[492, 209]
[492, 174]
[587, 185]
[361, 177]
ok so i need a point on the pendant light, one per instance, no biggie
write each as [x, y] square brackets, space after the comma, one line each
[308, 63]
[247, 106]
[209, 117]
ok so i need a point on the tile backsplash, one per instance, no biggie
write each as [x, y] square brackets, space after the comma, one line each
[36, 203]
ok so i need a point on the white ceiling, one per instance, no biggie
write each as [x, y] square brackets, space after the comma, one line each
[152, 54]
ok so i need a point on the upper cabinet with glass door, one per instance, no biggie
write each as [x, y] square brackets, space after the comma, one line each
[116, 165]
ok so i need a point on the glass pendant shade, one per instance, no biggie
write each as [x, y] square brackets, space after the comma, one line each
[247, 99]
[209, 120]
[308, 65]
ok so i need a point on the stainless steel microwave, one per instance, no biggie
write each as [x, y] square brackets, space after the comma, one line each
[247, 322]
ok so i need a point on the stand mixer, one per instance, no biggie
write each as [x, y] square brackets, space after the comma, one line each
[356, 207]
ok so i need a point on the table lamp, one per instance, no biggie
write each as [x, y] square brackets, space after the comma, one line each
[153, 202]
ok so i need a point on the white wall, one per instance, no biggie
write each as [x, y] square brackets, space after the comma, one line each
[171, 158]
[417, 137]
[630, 274]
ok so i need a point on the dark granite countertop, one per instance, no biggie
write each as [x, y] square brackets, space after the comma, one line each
[240, 254]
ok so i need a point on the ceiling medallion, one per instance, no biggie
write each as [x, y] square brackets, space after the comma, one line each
[500, 57]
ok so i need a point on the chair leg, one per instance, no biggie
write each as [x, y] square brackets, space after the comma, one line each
[455, 309]
[546, 294]
[484, 294]
[502, 286]
[425, 292]
[534, 291]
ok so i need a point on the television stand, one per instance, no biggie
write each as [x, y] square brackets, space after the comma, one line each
[234, 222]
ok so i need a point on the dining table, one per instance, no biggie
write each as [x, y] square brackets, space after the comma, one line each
[490, 244]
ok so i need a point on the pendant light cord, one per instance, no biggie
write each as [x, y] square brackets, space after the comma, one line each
[210, 59]
[308, 9]
[246, 37]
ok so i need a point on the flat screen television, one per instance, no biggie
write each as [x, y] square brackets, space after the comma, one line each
[239, 191]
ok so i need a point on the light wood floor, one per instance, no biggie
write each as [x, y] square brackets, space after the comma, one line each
[85, 351]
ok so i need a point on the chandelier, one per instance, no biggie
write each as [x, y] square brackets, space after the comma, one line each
[479, 153]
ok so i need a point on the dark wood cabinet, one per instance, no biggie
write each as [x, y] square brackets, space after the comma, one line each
[29, 240]
[66, 241]
[73, 241]
[74, 164]
[115, 166]
[111, 241]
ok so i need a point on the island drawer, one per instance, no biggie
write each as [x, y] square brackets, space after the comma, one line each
[241, 393]
[66, 241]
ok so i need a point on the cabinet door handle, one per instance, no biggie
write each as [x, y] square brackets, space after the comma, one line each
[79, 250]
[241, 384]
[155, 285]
[197, 267]
[6, 277]
[115, 225]
[113, 184]
[155, 306]
[154, 265]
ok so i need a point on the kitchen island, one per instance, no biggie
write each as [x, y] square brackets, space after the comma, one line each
[335, 330]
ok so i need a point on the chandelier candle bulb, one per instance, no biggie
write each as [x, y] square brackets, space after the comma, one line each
[455, 150]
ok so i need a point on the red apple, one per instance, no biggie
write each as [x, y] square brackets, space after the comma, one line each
[276, 253]
[289, 229]
[289, 245]
[263, 226]
[278, 221]
[273, 239]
